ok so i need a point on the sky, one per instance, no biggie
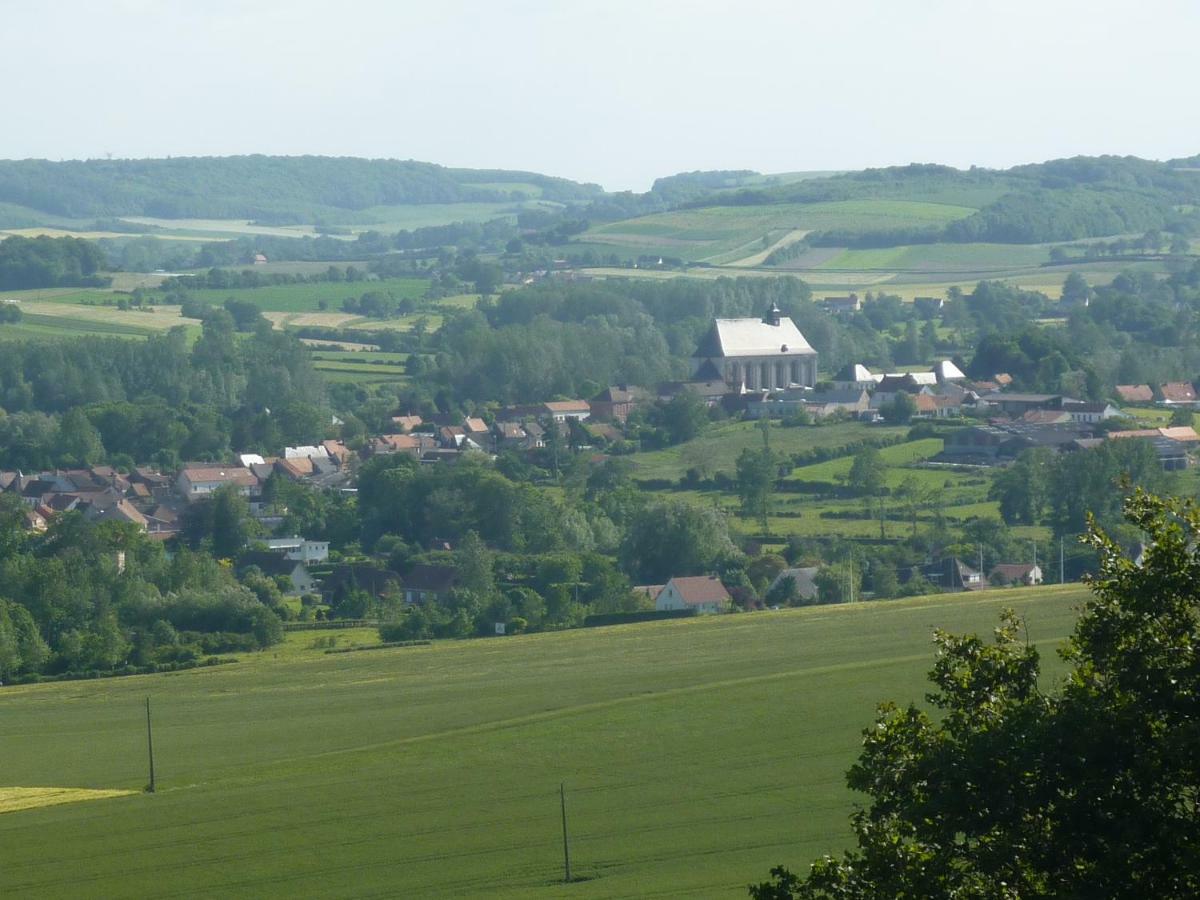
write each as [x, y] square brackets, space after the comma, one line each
[607, 91]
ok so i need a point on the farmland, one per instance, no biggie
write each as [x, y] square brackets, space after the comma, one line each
[309, 297]
[725, 234]
[434, 771]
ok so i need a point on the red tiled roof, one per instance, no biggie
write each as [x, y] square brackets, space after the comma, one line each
[697, 589]
[1135, 393]
[1177, 391]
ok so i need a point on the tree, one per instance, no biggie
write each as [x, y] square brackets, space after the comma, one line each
[867, 472]
[1012, 792]
[684, 416]
[1023, 487]
[673, 537]
[1075, 290]
[230, 521]
[756, 472]
[900, 411]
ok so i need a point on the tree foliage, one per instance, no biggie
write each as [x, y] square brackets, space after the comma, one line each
[1010, 791]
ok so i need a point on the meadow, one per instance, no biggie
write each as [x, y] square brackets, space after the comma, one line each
[725, 234]
[696, 754]
[308, 297]
[718, 448]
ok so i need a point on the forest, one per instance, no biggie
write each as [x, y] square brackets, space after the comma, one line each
[269, 188]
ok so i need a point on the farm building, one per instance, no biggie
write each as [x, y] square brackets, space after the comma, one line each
[703, 593]
[1027, 574]
[761, 354]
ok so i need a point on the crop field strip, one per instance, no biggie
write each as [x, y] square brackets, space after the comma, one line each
[435, 771]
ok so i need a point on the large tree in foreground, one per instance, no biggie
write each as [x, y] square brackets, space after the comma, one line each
[1091, 790]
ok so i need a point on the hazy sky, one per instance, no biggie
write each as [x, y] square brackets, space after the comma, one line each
[612, 91]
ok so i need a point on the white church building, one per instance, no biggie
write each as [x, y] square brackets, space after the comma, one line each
[761, 354]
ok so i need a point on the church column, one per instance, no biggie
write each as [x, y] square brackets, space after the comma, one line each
[797, 378]
[768, 377]
[781, 374]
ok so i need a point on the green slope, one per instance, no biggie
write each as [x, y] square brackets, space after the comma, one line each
[696, 754]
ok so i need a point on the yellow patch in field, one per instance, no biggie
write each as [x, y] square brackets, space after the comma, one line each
[15, 799]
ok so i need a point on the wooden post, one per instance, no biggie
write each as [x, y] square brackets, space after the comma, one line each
[150, 748]
[562, 796]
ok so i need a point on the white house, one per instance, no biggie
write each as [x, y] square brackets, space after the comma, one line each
[197, 482]
[299, 549]
[703, 593]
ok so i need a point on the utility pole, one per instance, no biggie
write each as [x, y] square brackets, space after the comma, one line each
[1062, 572]
[150, 748]
[562, 796]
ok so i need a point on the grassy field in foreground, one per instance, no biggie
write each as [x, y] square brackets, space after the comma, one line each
[696, 754]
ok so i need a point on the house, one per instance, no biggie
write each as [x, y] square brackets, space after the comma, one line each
[1081, 411]
[945, 370]
[712, 392]
[703, 593]
[938, 406]
[428, 583]
[891, 385]
[1175, 393]
[406, 424]
[842, 305]
[1018, 404]
[1173, 445]
[853, 376]
[260, 259]
[805, 580]
[358, 576]
[761, 354]
[1135, 393]
[1027, 574]
[818, 403]
[1046, 417]
[412, 444]
[475, 428]
[952, 574]
[199, 481]
[293, 571]
[338, 451]
[561, 410]
[651, 591]
[305, 452]
[298, 548]
[615, 403]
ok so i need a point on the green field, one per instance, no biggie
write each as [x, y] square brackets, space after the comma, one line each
[307, 297]
[718, 448]
[696, 754]
[724, 234]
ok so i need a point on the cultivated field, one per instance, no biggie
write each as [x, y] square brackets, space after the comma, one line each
[724, 234]
[308, 297]
[696, 755]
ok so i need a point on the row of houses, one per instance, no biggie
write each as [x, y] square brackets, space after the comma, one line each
[1171, 393]
[1000, 442]
[706, 594]
[101, 493]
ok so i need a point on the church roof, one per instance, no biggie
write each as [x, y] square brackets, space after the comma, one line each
[753, 337]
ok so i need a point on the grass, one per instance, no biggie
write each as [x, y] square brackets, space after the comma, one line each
[723, 234]
[308, 297]
[696, 754]
[718, 448]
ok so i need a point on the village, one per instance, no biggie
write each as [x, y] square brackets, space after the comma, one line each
[749, 368]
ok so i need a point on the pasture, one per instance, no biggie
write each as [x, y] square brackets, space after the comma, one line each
[718, 448]
[724, 234]
[297, 298]
[696, 755]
